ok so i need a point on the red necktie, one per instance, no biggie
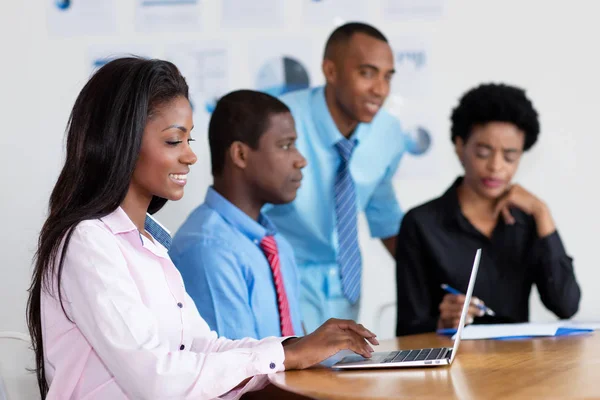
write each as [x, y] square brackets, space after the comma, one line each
[269, 247]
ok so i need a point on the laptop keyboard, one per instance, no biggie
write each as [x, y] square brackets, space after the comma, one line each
[414, 355]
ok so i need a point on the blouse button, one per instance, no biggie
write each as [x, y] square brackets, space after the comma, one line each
[182, 347]
[272, 365]
[180, 305]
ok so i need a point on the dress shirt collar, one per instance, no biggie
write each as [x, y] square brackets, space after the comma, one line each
[119, 222]
[454, 214]
[326, 127]
[254, 230]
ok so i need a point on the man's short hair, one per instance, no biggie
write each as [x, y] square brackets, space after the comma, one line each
[495, 103]
[343, 34]
[242, 115]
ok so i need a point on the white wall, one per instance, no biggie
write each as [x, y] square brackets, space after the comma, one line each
[547, 47]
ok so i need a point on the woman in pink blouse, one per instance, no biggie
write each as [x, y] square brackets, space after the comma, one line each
[108, 313]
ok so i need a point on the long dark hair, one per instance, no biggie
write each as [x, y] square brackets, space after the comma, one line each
[104, 135]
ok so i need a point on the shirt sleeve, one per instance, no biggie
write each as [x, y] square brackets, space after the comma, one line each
[105, 304]
[216, 281]
[417, 313]
[383, 211]
[554, 276]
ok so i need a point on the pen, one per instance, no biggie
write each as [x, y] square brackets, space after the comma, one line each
[485, 308]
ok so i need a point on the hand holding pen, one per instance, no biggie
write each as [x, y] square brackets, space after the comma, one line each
[474, 300]
[451, 308]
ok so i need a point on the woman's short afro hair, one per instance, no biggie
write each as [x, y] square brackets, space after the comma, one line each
[492, 102]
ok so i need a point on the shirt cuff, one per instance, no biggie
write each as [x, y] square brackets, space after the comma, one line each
[550, 248]
[385, 226]
[268, 357]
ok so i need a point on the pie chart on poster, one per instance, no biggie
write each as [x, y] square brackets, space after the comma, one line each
[282, 75]
[418, 141]
[210, 104]
[62, 4]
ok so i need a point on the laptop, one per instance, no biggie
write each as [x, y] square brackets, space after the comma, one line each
[416, 357]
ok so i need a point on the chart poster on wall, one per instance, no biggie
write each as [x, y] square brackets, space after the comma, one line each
[81, 17]
[412, 9]
[334, 12]
[168, 15]
[410, 101]
[205, 67]
[243, 14]
[283, 65]
[100, 54]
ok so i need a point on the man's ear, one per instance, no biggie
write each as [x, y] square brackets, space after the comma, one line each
[459, 149]
[238, 152]
[329, 71]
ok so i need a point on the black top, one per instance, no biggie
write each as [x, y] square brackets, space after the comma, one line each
[437, 244]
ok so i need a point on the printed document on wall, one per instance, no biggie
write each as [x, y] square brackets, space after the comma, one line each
[81, 17]
[168, 15]
[412, 9]
[410, 101]
[282, 65]
[205, 67]
[236, 14]
[334, 12]
[100, 54]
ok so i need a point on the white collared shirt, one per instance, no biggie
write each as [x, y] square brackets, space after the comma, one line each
[135, 333]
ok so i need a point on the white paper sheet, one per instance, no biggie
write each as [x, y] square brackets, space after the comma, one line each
[495, 331]
[582, 324]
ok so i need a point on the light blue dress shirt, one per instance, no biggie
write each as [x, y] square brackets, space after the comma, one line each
[308, 223]
[227, 274]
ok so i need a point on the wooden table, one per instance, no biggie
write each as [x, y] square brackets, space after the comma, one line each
[543, 368]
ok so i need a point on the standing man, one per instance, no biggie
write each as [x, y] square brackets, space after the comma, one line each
[353, 149]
